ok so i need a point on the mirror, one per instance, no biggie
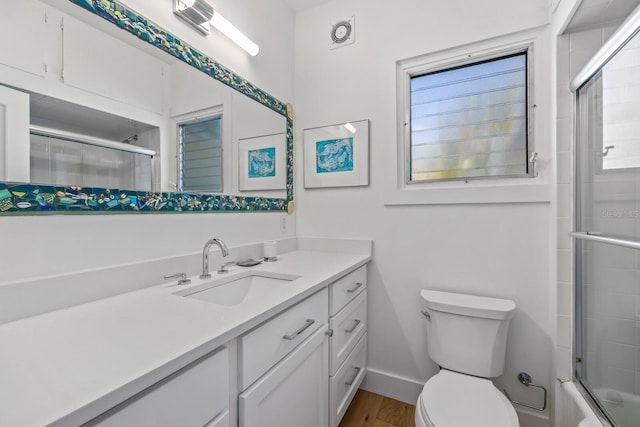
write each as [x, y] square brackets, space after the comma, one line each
[134, 88]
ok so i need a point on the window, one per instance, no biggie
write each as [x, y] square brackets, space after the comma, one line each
[200, 155]
[469, 121]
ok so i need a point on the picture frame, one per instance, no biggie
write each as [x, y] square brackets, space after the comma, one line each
[337, 155]
[262, 162]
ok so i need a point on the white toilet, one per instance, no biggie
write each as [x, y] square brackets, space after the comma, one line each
[467, 337]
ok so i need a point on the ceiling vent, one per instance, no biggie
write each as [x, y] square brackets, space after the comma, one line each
[343, 33]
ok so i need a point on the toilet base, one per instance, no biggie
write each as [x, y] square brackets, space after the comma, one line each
[452, 399]
[420, 419]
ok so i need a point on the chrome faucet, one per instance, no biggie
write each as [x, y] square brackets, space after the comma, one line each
[205, 255]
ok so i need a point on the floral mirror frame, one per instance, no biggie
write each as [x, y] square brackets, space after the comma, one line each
[21, 198]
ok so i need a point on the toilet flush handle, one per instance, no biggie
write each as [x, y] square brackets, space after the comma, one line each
[426, 314]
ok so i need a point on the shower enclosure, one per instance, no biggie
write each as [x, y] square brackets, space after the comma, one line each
[607, 244]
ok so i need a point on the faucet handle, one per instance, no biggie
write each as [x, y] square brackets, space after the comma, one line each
[223, 267]
[181, 276]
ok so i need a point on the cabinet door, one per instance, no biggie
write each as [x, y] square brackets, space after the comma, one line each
[98, 63]
[24, 35]
[192, 397]
[14, 135]
[294, 393]
[221, 420]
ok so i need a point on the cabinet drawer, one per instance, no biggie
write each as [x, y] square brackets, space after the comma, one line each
[344, 384]
[263, 347]
[347, 326]
[346, 288]
[191, 397]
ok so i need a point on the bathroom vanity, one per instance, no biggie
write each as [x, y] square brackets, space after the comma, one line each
[281, 343]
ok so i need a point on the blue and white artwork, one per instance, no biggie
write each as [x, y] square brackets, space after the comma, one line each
[334, 155]
[262, 162]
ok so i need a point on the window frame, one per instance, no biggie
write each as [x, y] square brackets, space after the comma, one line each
[214, 114]
[426, 64]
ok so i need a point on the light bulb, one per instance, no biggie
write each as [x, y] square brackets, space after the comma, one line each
[229, 30]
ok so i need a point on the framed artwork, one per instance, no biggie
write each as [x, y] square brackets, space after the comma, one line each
[262, 162]
[337, 155]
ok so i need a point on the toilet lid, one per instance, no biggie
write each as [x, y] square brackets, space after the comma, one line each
[453, 399]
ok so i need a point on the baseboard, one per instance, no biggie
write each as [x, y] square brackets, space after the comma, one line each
[390, 385]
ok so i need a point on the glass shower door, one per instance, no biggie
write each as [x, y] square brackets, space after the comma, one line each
[607, 252]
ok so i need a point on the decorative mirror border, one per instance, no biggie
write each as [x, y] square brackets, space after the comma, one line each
[31, 198]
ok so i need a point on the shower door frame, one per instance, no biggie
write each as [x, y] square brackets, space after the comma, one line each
[626, 31]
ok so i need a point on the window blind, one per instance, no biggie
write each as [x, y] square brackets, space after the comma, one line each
[470, 121]
[201, 155]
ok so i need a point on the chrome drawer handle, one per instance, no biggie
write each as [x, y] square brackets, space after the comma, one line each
[354, 377]
[355, 288]
[353, 328]
[308, 323]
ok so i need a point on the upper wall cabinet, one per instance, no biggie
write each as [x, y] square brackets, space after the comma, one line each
[95, 62]
[24, 49]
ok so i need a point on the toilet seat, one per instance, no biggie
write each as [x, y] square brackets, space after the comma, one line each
[451, 399]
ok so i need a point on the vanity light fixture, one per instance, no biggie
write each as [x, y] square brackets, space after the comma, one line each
[201, 15]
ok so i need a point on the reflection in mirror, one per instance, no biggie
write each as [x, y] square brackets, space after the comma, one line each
[620, 108]
[200, 155]
[609, 113]
[74, 145]
[109, 114]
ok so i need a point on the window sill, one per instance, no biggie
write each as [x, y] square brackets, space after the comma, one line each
[470, 194]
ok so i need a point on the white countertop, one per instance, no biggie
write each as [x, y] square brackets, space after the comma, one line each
[68, 366]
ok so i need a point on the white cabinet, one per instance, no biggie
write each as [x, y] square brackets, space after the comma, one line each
[301, 367]
[348, 326]
[264, 346]
[344, 384]
[195, 396]
[294, 393]
[24, 44]
[348, 342]
[222, 420]
[14, 135]
[98, 63]
[346, 288]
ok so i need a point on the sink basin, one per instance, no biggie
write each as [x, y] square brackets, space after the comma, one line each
[234, 290]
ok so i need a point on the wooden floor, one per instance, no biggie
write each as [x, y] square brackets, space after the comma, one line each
[372, 410]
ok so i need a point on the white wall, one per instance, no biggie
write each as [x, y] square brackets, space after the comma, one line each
[500, 250]
[41, 246]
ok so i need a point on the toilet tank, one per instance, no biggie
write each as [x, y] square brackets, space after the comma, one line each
[467, 333]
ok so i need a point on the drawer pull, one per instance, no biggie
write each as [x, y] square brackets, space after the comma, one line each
[354, 377]
[353, 328]
[355, 288]
[308, 323]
